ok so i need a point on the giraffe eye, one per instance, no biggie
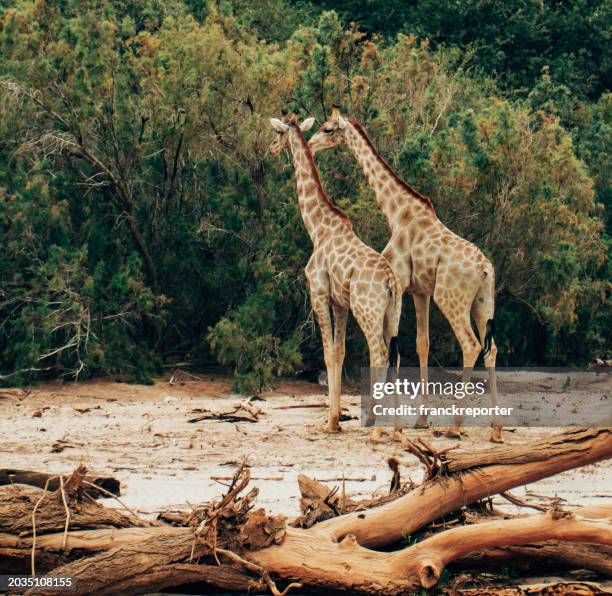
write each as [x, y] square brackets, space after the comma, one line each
[328, 131]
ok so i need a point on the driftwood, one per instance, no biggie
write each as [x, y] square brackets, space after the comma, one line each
[336, 553]
[593, 557]
[320, 502]
[17, 503]
[558, 589]
[244, 412]
[10, 476]
[534, 451]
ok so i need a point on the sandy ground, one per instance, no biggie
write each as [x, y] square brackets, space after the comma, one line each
[142, 436]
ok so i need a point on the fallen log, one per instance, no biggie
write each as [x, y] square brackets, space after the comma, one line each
[440, 496]
[110, 572]
[80, 542]
[334, 554]
[534, 451]
[162, 577]
[316, 561]
[10, 476]
[557, 589]
[27, 509]
[18, 501]
[593, 557]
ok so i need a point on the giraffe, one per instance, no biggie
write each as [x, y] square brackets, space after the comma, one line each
[343, 272]
[428, 259]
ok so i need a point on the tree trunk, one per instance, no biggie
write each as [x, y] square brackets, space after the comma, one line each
[436, 498]
[144, 252]
[558, 589]
[17, 503]
[40, 479]
[593, 557]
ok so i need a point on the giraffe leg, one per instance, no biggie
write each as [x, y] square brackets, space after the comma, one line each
[320, 305]
[421, 309]
[459, 318]
[340, 320]
[370, 309]
[378, 368]
[378, 353]
[390, 331]
[481, 315]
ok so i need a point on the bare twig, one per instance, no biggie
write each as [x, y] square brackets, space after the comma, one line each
[112, 496]
[260, 571]
[33, 554]
[65, 501]
[23, 370]
[519, 503]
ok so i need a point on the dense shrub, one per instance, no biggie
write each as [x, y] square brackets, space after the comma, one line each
[143, 222]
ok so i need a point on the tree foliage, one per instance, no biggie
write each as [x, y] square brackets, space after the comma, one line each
[512, 40]
[143, 222]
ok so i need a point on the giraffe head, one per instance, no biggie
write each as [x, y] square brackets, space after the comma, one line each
[331, 133]
[282, 126]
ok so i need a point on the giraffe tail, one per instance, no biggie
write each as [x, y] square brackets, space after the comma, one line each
[393, 352]
[488, 339]
[392, 319]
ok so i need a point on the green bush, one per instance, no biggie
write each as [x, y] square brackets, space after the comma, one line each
[143, 222]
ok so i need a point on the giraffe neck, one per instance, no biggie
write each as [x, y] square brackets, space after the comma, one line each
[396, 199]
[318, 212]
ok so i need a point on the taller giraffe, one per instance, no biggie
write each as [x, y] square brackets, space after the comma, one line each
[342, 272]
[427, 257]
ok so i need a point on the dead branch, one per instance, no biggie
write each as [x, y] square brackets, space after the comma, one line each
[439, 497]
[557, 589]
[17, 503]
[520, 503]
[244, 412]
[594, 557]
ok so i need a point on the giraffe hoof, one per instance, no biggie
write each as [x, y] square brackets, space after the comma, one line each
[496, 435]
[377, 435]
[453, 433]
[332, 427]
[421, 423]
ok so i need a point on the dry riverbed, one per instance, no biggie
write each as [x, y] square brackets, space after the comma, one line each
[143, 436]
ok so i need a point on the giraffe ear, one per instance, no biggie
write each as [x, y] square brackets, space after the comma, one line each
[307, 124]
[278, 125]
[341, 122]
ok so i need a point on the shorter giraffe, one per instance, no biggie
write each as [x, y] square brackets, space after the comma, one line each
[342, 272]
